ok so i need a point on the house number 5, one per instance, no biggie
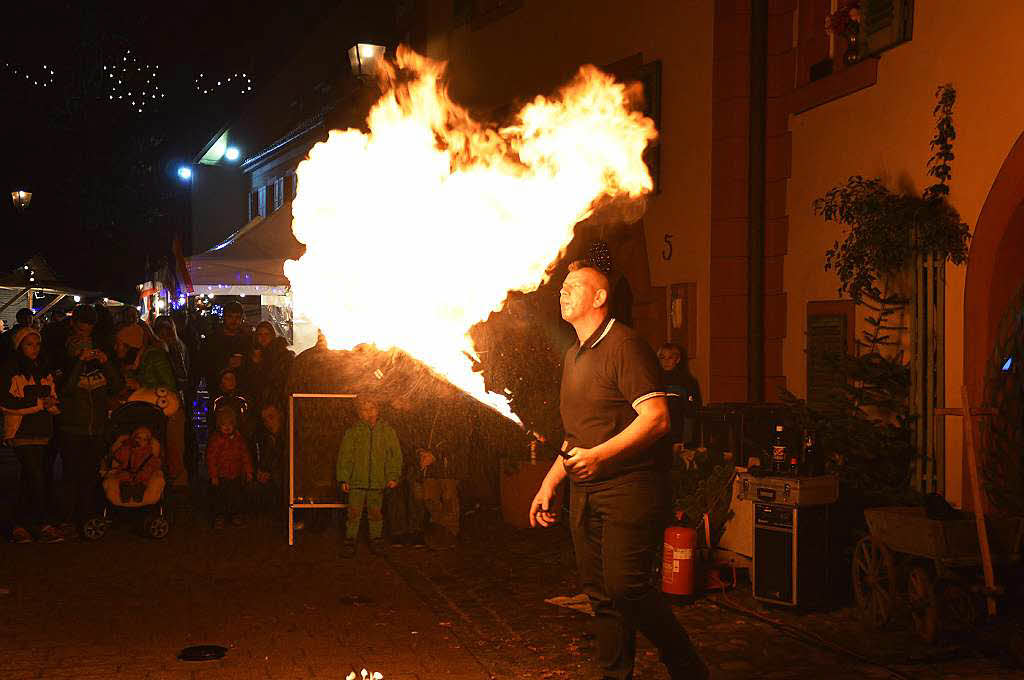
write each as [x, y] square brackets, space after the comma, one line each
[666, 252]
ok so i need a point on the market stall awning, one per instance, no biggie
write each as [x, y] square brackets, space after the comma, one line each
[250, 261]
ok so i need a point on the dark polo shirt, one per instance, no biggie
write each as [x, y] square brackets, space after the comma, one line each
[603, 381]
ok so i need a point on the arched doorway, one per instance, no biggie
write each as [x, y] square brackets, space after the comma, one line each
[995, 270]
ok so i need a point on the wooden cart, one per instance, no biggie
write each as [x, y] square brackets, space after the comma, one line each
[928, 564]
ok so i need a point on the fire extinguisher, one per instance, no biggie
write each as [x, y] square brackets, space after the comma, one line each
[678, 566]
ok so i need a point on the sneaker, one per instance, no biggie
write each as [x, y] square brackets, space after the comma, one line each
[50, 534]
[238, 521]
[378, 546]
[21, 535]
[348, 549]
[218, 522]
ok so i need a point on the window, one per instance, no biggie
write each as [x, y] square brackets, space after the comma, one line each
[886, 24]
[278, 193]
[830, 328]
[254, 204]
[262, 208]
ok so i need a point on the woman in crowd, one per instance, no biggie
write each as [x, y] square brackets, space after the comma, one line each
[147, 366]
[167, 330]
[266, 367]
[28, 397]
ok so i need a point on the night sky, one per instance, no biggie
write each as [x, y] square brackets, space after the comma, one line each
[102, 172]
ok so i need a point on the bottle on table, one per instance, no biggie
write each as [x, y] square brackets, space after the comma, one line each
[779, 457]
[810, 455]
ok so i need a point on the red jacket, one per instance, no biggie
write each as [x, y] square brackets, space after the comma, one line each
[142, 462]
[228, 457]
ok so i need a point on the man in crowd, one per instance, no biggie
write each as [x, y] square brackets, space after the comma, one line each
[22, 318]
[614, 412]
[224, 348]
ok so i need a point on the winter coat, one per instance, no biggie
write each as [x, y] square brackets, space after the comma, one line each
[142, 462]
[227, 457]
[369, 457]
[271, 456]
[215, 353]
[85, 395]
[264, 382]
[155, 370]
[25, 420]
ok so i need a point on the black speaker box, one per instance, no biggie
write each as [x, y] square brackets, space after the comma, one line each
[791, 555]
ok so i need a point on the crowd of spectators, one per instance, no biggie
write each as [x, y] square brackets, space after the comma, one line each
[61, 378]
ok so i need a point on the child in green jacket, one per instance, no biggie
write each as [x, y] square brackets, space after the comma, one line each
[370, 460]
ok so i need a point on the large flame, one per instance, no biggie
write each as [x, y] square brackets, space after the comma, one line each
[418, 229]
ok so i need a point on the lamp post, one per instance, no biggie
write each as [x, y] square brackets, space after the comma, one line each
[21, 199]
[365, 60]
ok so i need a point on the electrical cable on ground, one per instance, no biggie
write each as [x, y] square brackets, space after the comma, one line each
[721, 600]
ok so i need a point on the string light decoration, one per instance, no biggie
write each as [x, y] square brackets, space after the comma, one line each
[208, 83]
[131, 83]
[33, 77]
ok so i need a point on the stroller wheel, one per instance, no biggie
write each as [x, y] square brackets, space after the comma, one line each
[94, 528]
[157, 527]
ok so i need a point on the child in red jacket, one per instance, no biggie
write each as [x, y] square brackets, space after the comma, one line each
[229, 463]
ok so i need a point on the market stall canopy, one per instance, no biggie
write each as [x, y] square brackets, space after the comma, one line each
[250, 261]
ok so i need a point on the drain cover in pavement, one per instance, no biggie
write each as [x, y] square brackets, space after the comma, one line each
[202, 653]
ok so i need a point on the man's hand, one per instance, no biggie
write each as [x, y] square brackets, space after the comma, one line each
[49, 402]
[540, 509]
[392, 484]
[584, 464]
[101, 356]
[344, 487]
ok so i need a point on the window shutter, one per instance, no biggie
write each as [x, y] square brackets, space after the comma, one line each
[289, 187]
[254, 204]
[278, 193]
[263, 201]
[886, 24]
[826, 339]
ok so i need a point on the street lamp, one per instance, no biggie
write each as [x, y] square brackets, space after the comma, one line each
[21, 199]
[365, 60]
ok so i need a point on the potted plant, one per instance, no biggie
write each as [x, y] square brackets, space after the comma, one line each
[844, 23]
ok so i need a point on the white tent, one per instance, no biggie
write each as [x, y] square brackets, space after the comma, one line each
[251, 260]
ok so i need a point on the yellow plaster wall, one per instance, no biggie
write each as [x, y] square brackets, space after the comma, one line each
[884, 131]
[541, 45]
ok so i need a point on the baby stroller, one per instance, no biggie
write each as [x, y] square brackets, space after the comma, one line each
[131, 497]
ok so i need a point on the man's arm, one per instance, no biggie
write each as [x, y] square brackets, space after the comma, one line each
[651, 423]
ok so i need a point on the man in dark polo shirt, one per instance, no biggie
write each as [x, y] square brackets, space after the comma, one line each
[614, 412]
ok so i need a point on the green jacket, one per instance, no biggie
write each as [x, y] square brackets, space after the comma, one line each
[155, 370]
[369, 458]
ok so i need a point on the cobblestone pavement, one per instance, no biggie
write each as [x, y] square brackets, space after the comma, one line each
[124, 607]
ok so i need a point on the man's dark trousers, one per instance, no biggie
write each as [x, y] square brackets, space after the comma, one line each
[616, 530]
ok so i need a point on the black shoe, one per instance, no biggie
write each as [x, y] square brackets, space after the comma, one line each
[397, 541]
[378, 546]
[348, 549]
[417, 541]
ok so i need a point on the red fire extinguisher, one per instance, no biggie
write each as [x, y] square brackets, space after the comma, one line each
[678, 567]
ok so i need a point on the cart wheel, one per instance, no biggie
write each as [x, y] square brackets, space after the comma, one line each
[874, 582]
[157, 527]
[923, 607]
[957, 610]
[94, 529]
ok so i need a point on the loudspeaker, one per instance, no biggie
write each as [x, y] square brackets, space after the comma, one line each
[791, 554]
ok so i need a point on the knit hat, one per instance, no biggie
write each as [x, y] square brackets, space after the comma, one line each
[22, 333]
[131, 335]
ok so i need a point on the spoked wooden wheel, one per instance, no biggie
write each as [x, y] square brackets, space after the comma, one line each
[957, 609]
[923, 606]
[874, 581]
